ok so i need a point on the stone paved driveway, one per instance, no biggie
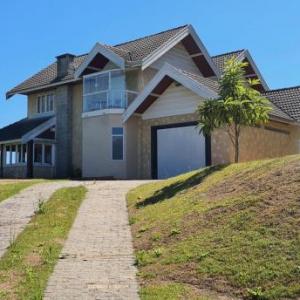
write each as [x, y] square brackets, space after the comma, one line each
[97, 258]
[16, 211]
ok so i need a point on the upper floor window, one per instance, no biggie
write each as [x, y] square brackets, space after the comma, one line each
[105, 90]
[45, 103]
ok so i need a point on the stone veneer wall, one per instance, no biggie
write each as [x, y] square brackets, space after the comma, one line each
[144, 140]
[63, 155]
[77, 130]
[256, 143]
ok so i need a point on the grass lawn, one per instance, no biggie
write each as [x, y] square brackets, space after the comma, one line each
[28, 263]
[231, 230]
[10, 188]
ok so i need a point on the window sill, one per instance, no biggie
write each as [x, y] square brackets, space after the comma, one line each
[46, 114]
[14, 165]
[95, 113]
[43, 165]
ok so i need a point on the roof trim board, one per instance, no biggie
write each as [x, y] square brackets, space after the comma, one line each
[246, 54]
[25, 91]
[168, 71]
[100, 49]
[38, 130]
[186, 31]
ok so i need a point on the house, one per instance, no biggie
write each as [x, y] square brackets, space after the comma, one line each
[128, 111]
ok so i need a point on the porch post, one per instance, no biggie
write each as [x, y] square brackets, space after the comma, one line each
[29, 173]
[1, 160]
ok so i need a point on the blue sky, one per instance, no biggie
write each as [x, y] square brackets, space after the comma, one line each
[33, 32]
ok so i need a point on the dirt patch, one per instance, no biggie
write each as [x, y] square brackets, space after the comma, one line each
[33, 259]
[273, 181]
[9, 280]
[216, 288]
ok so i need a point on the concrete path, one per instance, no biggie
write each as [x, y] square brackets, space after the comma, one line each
[97, 258]
[16, 211]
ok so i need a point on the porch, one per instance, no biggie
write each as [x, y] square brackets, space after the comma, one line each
[27, 149]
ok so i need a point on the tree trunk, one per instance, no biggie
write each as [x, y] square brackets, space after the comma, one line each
[236, 144]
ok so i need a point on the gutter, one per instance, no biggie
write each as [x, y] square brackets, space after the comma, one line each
[26, 91]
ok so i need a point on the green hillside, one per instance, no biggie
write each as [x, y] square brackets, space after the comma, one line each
[228, 232]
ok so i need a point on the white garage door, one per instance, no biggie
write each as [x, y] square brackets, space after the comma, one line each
[179, 150]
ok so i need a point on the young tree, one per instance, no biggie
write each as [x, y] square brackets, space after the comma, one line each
[239, 105]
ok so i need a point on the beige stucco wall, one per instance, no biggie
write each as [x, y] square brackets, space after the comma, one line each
[77, 129]
[256, 143]
[31, 105]
[97, 147]
[32, 102]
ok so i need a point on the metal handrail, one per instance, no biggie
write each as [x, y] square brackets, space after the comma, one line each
[120, 100]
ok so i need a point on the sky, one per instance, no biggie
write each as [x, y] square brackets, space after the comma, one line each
[34, 32]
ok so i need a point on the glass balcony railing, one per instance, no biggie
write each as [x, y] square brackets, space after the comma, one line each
[108, 99]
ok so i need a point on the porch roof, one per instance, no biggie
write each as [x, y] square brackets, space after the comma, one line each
[21, 128]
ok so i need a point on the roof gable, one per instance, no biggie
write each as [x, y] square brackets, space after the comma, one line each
[252, 71]
[201, 86]
[98, 58]
[192, 43]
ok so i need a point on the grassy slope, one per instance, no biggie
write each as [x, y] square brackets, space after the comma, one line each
[9, 189]
[28, 263]
[233, 230]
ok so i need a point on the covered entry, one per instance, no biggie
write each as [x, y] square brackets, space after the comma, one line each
[178, 148]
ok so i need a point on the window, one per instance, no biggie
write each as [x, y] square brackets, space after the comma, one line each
[117, 143]
[45, 103]
[43, 154]
[104, 90]
[48, 154]
[15, 154]
[23, 155]
[7, 155]
[38, 153]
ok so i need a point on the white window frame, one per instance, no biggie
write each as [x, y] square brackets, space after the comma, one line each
[18, 155]
[112, 143]
[43, 163]
[44, 100]
[108, 91]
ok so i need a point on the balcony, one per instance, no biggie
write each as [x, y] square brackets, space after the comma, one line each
[108, 99]
[106, 90]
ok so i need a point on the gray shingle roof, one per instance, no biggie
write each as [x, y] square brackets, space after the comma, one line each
[220, 59]
[210, 83]
[287, 99]
[132, 51]
[214, 86]
[16, 130]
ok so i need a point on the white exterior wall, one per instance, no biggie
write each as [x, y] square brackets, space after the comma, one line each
[176, 100]
[179, 58]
